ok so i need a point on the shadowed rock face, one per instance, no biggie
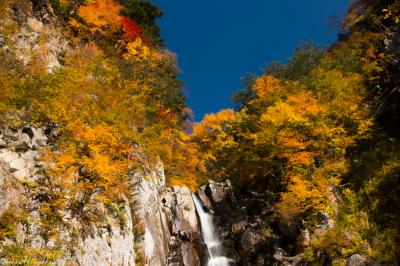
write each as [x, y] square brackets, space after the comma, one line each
[245, 225]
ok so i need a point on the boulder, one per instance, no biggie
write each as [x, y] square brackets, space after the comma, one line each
[204, 199]
[248, 240]
[218, 192]
[281, 256]
[189, 255]
[18, 164]
[356, 260]
[21, 174]
[8, 155]
[186, 218]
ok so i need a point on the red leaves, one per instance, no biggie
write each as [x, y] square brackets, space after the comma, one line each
[104, 17]
[131, 28]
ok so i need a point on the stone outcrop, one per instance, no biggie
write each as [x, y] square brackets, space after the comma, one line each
[106, 242]
[244, 224]
[38, 35]
[170, 221]
[149, 192]
[107, 246]
[171, 231]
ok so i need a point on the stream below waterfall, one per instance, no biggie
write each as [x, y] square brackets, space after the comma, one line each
[210, 237]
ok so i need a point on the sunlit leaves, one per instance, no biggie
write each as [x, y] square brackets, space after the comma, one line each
[104, 17]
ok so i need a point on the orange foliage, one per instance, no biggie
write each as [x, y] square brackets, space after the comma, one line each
[104, 17]
[266, 86]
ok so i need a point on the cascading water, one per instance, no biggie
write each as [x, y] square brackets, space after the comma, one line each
[210, 237]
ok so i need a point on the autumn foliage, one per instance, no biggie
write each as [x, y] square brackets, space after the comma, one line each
[320, 133]
[104, 17]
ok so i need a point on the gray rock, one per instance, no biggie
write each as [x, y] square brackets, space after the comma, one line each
[39, 137]
[189, 255]
[18, 164]
[356, 260]
[217, 192]
[30, 158]
[21, 174]
[281, 257]
[8, 155]
[248, 240]
[203, 198]
[186, 218]
[108, 247]
[151, 190]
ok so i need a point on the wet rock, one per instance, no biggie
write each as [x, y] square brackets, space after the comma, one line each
[205, 202]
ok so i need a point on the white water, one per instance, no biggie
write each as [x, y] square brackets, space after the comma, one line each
[210, 237]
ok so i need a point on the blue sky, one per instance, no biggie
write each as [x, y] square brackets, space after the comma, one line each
[218, 41]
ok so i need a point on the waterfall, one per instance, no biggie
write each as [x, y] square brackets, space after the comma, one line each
[210, 236]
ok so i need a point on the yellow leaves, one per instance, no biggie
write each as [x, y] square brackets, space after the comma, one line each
[100, 16]
[95, 153]
[304, 195]
[182, 161]
[213, 134]
[137, 51]
[267, 85]
[392, 13]
[301, 158]
[7, 93]
[214, 123]
[311, 128]
[298, 109]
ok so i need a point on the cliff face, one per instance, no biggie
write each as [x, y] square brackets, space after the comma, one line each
[169, 220]
[154, 226]
[106, 242]
[157, 225]
[30, 31]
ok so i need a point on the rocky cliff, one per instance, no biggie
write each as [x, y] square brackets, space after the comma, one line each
[156, 226]
[23, 197]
